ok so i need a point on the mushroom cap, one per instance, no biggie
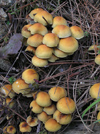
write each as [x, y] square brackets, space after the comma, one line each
[62, 31]
[59, 53]
[43, 51]
[31, 49]
[38, 28]
[42, 17]
[56, 93]
[7, 90]
[43, 117]
[77, 32]
[43, 99]
[34, 12]
[35, 40]
[52, 125]
[11, 130]
[93, 47]
[58, 20]
[50, 109]
[66, 105]
[24, 127]
[97, 59]
[53, 58]
[39, 62]
[98, 116]
[35, 107]
[32, 121]
[95, 91]
[19, 86]
[9, 102]
[62, 119]
[25, 32]
[68, 45]
[30, 75]
[51, 40]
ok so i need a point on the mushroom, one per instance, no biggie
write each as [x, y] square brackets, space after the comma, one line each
[43, 17]
[56, 93]
[38, 28]
[77, 32]
[31, 49]
[43, 99]
[51, 40]
[43, 51]
[59, 53]
[58, 20]
[39, 62]
[66, 105]
[98, 116]
[32, 121]
[95, 91]
[19, 86]
[62, 31]
[62, 119]
[97, 59]
[43, 117]
[25, 32]
[93, 47]
[35, 40]
[52, 125]
[34, 12]
[35, 107]
[53, 58]
[50, 109]
[68, 45]
[24, 127]
[7, 90]
[11, 130]
[30, 76]
[9, 102]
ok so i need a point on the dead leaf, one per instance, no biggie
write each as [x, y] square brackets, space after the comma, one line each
[13, 46]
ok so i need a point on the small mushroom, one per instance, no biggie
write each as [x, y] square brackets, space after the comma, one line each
[32, 121]
[24, 127]
[97, 59]
[98, 116]
[50, 109]
[53, 58]
[34, 12]
[62, 31]
[59, 53]
[11, 130]
[30, 49]
[25, 32]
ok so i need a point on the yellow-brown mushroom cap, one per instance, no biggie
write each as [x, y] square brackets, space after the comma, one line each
[43, 51]
[38, 62]
[30, 75]
[35, 107]
[35, 40]
[43, 17]
[43, 99]
[43, 117]
[59, 53]
[38, 28]
[68, 45]
[97, 59]
[11, 130]
[98, 116]
[9, 102]
[24, 127]
[56, 93]
[50, 109]
[7, 90]
[30, 49]
[34, 12]
[19, 86]
[62, 31]
[32, 121]
[95, 91]
[62, 119]
[51, 40]
[52, 125]
[58, 20]
[77, 32]
[53, 58]
[25, 32]
[66, 105]
[93, 47]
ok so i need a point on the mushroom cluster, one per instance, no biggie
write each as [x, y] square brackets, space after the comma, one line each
[50, 38]
[52, 108]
